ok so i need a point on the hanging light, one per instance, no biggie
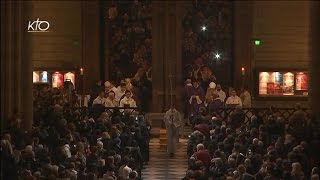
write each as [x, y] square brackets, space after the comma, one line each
[217, 55]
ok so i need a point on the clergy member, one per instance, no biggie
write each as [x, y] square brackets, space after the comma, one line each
[109, 87]
[245, 98]
[214, 103]
[111, 100]
[121, 90]
[197, 98]
[100, 99]
[128, 84]
[128, 101]
[210, 90]
[221, 93]
[233, 100]
[186, 94]
[172, 120]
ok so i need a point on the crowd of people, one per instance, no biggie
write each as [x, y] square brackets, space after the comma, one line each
[70, 143]
[131, 47]
[207, 40]
[266, 147]
[127, 94]
[131, 41]
[199, 94]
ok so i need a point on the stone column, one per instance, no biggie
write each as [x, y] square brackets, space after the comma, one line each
[90, 43]
[314, 85]
[26, 66]
[16, 63]
[6, 102]
[107, 62]
[173, 52]
[158, 35]
[166, 53]
[242, 44]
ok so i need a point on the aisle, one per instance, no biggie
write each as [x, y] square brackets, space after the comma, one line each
[161, 167]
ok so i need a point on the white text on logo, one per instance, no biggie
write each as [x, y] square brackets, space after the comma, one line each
[38, 26]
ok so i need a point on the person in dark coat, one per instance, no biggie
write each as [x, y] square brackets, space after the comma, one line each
[8, 170]
[237, 118]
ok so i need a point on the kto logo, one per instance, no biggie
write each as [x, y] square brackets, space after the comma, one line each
[38, 26]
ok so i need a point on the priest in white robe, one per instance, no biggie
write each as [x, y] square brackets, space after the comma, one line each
[127, 101]
[173, 121]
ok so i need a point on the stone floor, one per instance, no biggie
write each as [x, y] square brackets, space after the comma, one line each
[161, 166]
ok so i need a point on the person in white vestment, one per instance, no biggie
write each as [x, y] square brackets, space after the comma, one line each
[109, 87]
[121, 90]
[100, 99]
[220, 92]
[173, 121]
[111, 101]
[129, 86]
[127, 101]
[245, 98]
[233, 100]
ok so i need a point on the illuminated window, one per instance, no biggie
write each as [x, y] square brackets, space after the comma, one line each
[44, 76]
[36, 76]
[301, 81]
[57, 80]
[69, 76]
[282, 83]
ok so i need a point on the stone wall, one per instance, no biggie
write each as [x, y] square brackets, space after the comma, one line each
[61, 46]
[283, 28]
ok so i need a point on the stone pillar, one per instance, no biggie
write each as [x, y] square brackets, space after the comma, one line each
[243, 48]
[26, 67]
[166, 53]
[6, 102]
[158, 35]
[90, 43]
[16, 63]
[173, 52]
[314, 85]
[107, 38]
